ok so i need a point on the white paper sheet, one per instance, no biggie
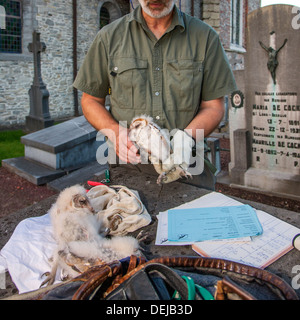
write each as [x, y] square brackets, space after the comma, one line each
[263, 250]
[275, 241]
[213, 223]
[210, 200]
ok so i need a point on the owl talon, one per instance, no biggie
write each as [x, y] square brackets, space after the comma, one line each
[49, 279]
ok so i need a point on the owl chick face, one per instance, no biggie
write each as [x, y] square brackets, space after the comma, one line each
[80, 201]
[150, 139]
[155, 143]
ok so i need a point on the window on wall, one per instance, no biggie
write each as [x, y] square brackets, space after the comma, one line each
[108, 11]
[104, 17]
[237, 22]
[11, 36]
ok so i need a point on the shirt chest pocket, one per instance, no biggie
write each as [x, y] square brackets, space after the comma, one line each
[128, 81]
[183, 83]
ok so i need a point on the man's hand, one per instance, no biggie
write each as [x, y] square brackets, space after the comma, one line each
[124, 147]
[95, 112]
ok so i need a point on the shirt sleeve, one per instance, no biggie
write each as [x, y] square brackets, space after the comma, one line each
[218, 79]
[92, 77]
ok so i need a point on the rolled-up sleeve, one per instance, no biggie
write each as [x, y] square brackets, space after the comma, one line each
[92, 77]
[218, 77]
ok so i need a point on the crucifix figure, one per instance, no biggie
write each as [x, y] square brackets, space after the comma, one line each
[272, 62]
[39, 116]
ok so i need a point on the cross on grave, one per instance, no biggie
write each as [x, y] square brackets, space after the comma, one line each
[39, 116]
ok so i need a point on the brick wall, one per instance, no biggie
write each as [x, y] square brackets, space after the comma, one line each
[211, 13]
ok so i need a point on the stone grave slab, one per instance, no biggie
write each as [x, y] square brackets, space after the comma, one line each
[58, 150]
[270, 114]
[81, 175]
[68, 145]
[32, 171]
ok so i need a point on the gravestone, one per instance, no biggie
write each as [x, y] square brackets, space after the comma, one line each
[265, 130]
[39, 116]
[58, 150]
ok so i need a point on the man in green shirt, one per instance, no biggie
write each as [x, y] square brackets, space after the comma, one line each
[160, 62]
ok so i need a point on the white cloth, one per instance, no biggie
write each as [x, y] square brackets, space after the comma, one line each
[121, 201]
[27, 252]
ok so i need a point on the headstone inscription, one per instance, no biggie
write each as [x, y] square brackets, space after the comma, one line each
[271, 115]
[39, 116]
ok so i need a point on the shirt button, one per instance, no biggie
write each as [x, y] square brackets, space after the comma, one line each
[157, 117]
[157, 93]
[116, 68]
[157, 69]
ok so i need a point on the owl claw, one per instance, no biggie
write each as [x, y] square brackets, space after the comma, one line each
[172, 175]
[50, 277]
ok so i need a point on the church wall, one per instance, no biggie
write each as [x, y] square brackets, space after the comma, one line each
[16, 74]
[53, 19]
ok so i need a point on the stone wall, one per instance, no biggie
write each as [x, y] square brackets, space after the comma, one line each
[14, 83]
[16, 72]
[53, 19]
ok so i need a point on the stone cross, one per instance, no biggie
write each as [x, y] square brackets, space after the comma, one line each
[39, 116]
[36, 47]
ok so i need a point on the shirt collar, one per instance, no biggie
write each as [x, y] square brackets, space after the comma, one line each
[177, 18]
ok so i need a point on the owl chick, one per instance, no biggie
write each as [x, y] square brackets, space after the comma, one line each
[155, 143]
[76, 230]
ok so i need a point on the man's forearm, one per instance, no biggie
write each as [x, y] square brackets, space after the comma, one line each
[95, 112]
[210, 115]
[97, 115]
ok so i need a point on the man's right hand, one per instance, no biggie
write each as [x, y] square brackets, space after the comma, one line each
[95, 112]
[124, 147]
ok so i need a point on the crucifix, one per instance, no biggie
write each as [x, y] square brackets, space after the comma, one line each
[39, 116]
[273, 61]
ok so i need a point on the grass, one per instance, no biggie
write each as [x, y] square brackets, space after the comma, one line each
[10, 144]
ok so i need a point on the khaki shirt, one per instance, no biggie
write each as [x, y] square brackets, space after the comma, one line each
[166, 78]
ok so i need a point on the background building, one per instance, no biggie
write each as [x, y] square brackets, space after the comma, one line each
[67, 27]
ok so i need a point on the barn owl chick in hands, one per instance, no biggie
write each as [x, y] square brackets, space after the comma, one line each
[169, 158]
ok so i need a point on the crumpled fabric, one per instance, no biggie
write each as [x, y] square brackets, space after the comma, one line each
[120, 204]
